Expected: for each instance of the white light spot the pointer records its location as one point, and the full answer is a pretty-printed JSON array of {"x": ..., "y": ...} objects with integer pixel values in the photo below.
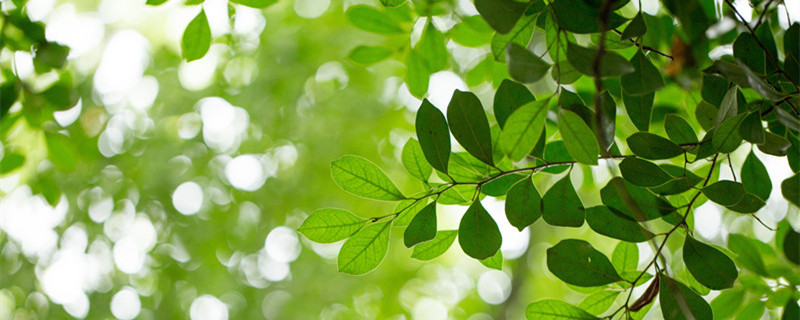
[
  {"x": 124, "y": 61},
  {"x": 188, "y": 198},
  {"x": 271, "y": 269},
  {"x": 128, "y": 255},
  {"x": 189, "y": 125},
  {"x": 144, "y": 93},
  {"x": 78, "y": 307},
  {"x": 311, "y": 8},
  {"x": 494, "y": 286},
  {"x": 208, "y": 307},
  {"x": 245, "y": 173},
  {"x": 199, "y": 74},
  {"x": 708, "y": 220},
  {"x": 282, "y": 244},
  {"x": 427, "y": 308},
  {"x": 100, "y": 210},
  {"x": 67, "y": 117},
  {"x": 126, "y": 304},
  {"x": 442, "y": 86}
]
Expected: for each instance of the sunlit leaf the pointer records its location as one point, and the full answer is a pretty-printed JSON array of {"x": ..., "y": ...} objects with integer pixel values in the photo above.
[
  {"x": 414, "y": 160},
  {"x": 363, "y": 178},
  {"x": 523, "y": 128},
  {"x": 330, "y": 225},
  {"x": 436, "y": 247},
  {"x": 196, "y": 38},
  {"x": 578, "y": 263},
  {"x": 365, "y": 250}
]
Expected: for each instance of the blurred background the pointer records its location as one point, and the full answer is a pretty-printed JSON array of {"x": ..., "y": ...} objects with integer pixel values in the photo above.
[{"x": 172, "y": 190}]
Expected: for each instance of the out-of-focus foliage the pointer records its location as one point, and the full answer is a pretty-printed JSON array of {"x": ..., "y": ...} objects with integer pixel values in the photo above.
[{"x": 159, "y": 160}]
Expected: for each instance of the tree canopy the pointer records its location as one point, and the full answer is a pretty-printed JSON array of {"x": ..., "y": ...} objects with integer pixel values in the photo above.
[{"x": 243, "y": 159}]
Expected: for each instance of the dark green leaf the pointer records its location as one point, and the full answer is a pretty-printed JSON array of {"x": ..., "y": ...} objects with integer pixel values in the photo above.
[
  {"x": 636, "y": 28},
  {"x": 643, "y": 173},
  {"x": 709, "y": 266},
  {"x": 791, "y": 245},
  {"x": 755, "y": 178},
  {"x": 363, "y": 178},
  {"x": 371, "y": 19},
  {"x": 523, "y": 204},
  {"x": 562, "y": 206},
  {"x": 499, "y": 187},
  {"x": 256, "y": 3},
  {"x": 625, "y": 256},
  {"x": 434, "y": 136},
  {"x": 469, "y": 125},
  {"x": 653, "y": 147},
  {"x": 556, "y": 310},
  {"x": 774, "y": 145},
  {"x": 615, "y": 225},
  {"x": 495, "y": 261},
  {"x": 365, "y": 250},
  {"x": 747, "y": 49},
  {"x": 392, "y": 3},
  {"x": 509, "y": 97},
  {"x": 556, "y": 152},
  {"x": 408, "y": 210},
  {"x": 11, "y": 161},
  {"x": 639, "y": 109},
  {"x": 679, "y": 130},
  {"x": 791, "y": 311},
  {"x": 751, "y": 129},
  {"x": 414, "y": 160},
  {"x": 749, "y": 204},
  {"x": 50, "y": 55},
  {"x": 684, "y": 180},
  {"x": 725, "y": 192},
  {"x": 502, "y": 15},
  {"x": 436, "y": 247},
  {"x": 706, "y": 115},
  {"x": 677, "y": 299},
  {"x": 635, "y": 202},
  {"x": 368, "y": 55},
  {"x": 478, "y": 233},
  {"x": 330, "y": 225},
  {"x": 523, "y": 65},
  {"x": 523, "y": 128},
  {"x": 579, "y": 17},
  {"x": 759, "y": 85},
  {"x": 726, "y": 137},
  {"x": 62, "y": 151},
  {"x": 196, "y": 38},
  {"x": 644, "y": 79},
  {"x": 576, "y": 262},
  {"x": 607, "y": 123},
  {"x": 578, "y": 138},
  {"x": 422, "y": 228},
  {"x": 612, "y": 64}
]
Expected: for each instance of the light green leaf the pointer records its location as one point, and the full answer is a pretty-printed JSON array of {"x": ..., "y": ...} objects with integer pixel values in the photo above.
[
  {"x": 555, "y": 310},
  {"x": 363, "y": 178},
  {"x": 523, "y": 204},
  {"x": 523, "y": 128},
  {"x": 521, "y": 35},
  {"x": 578, "y": 138},
  {"x": 422, "y": 228},
  {"x": 599, "y": 302},
  {"x": 709, "y": 266},
  {"x": 196, "y": 38},
  {"x": 371, "y": 19},
  {"x": 61, "y": 151},
  {"x": 747, "y": 254},
  {"x": 417, "y": 73},
  {"x": 436, "y": 247},
  {"x": 615, "y": 225},
  {"x": 434, "y": 136},
  {"x": 472, "y": 32},
  {"x": 431, "y": 47},
  {"x": 368, "y": 55},
  {"x": 414, "y": 160},
  {"x": 365, "y": 250},
  {"x": 729, "y": 106},
  {"x": 578, "y": 263},
  {"x": 726, "y": 303},
  {"x": 495, "y": 261},
  {"x": 410, "y": 209},
  {"x": 478, "y": 233},
  {"x": 330, "y": 225},
  {"x": 625, "y": 256},
  {"x": 11, "y": 161},
  {"x": 524, "y": 66},
  {"x": 562, "y": 206},
  {"x": 469, "y": 125},
  {"x": 258, "y": 4},
  {"x": 644, "y": 79},
  {"x": 643, "y": 173}
]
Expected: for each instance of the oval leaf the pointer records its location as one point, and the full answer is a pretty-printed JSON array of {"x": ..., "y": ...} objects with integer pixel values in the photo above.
[
  {"x": 524, "y": 66},
  {"x": 330, "y": 225},
  {"x": 196, "y": 38},
  {"x": 523, "y": 128},
  {"x": 675, "y": 298},
  {"x": 478, "y": 233},
  {"x": 578, "y": 263},
  {"x": 363, "y": 178},
  {"x": 653, "y": 147},
  {"x": 434, "y": 136},
  {"x": 562, "y": 206},
  {"x": 755, "y": 178},
  {"x": 709, "y": 266},
  {"x": 422, "y": 228},
  {"x": 643, "y": 173},
  {"x": 578, "y": 138},
  {"x": 414, "y": 160},
  {"x": 469, "y": 125},
  {"x": 556, "y": 310},
  {"x": 523, "y": 204},
  {"x": 615, "y": 225},
  {"x": 725, "y": 192},
  {"x": 436, "y": 247},
  {"x": 365, "y": 250}
]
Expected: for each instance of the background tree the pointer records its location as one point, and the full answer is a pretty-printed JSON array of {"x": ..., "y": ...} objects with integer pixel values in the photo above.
[{"x": 155, "y": 198}]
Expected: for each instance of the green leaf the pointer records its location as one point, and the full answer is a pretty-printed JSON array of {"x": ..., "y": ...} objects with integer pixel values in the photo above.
[
  {"x": 392, "y": 3},
  {"x": 636, "y": 28},
  {"x": 643, "y": 173},
  {"x": 499, "y": 187},
  {"x": 469, "y": 125},
  {"x": 635, "y": 202},
  {"x": 258, "y": 4},
  {"x": 684, "y": 180},
  {"x": 502, "y": 15},
  {"x": 724, "y": 192},
  {"x": 196, "y": 38},
  {"x": 523, "y": 128},
  {"x": 729, "y": 106},
  {"x": 644, "y": 79},
  {"x": 679, "y": 130},
  {"x": 417, "y": 73},
  {"x": 523, "y": 204},
  {"x": 755, "y": 178},
  {"x": 495, "y": 261},
  {"x": 368, "y": 55},
  {"x": 555, "y": 310},
  {"x": 11, "y": 161},
  {"x": 371, "y": 19},
  {"x": 791, "y": 310},
  {"x": 579, "y": 17},
  {"x": 524, "y": 66},
  {"x": 363, "y": 178},
  {"x": 154, "y": 2},
  {"x": 436, "y": 247},
  {"x": 410, "y": 209},
  {"x": 365, "y": 250},
  {"x": 751, "y": 129},
  {"x": 61, "y": 151},
  {"x": 726, "y": 303},
  {"x": 726, "y": 137},
  {"x": 747, "y": 49},
  {"x": 608, "y": 121},
  {"x": 752, "y": 311},
  {"x": 746, "y": 253},
  {"x": 330, "y": 225},
  {"x": 599, "y": 302},
  {"x": 709, "y": 266},
  {"x": 472, "y": 32},
  {"x": 521, "y": 35},
  {"x": 508, "y": 98},
  {"x": 790, "y": 188},
  {"x": 578, "y": 138},
  {"x": 749, "y": 204},
  {"x": 639, "y": 109},
  {"x": 562, "y": 206},
  {"x": 478, "y": 233},
  {"x": 576, "y": 262},
  {"x": 791, "y": 246},
  {"x": 414, "y": 160},
  {"x": 556, "y": 152},
  {"x": 431, "y": 47},
  {"x": 611, "y": 64},
  {"x": 675, "y": 298},
  {"x": 625, "y": 257},
  {"x": 422, "y": 228},
  {"x": 615, "y": 225},
  {"x": 653, "y": 147},
  {"x": 774, "y": 145},
  {"x": 434, "y": 136},
  {"x": 706, "y": 115}
]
